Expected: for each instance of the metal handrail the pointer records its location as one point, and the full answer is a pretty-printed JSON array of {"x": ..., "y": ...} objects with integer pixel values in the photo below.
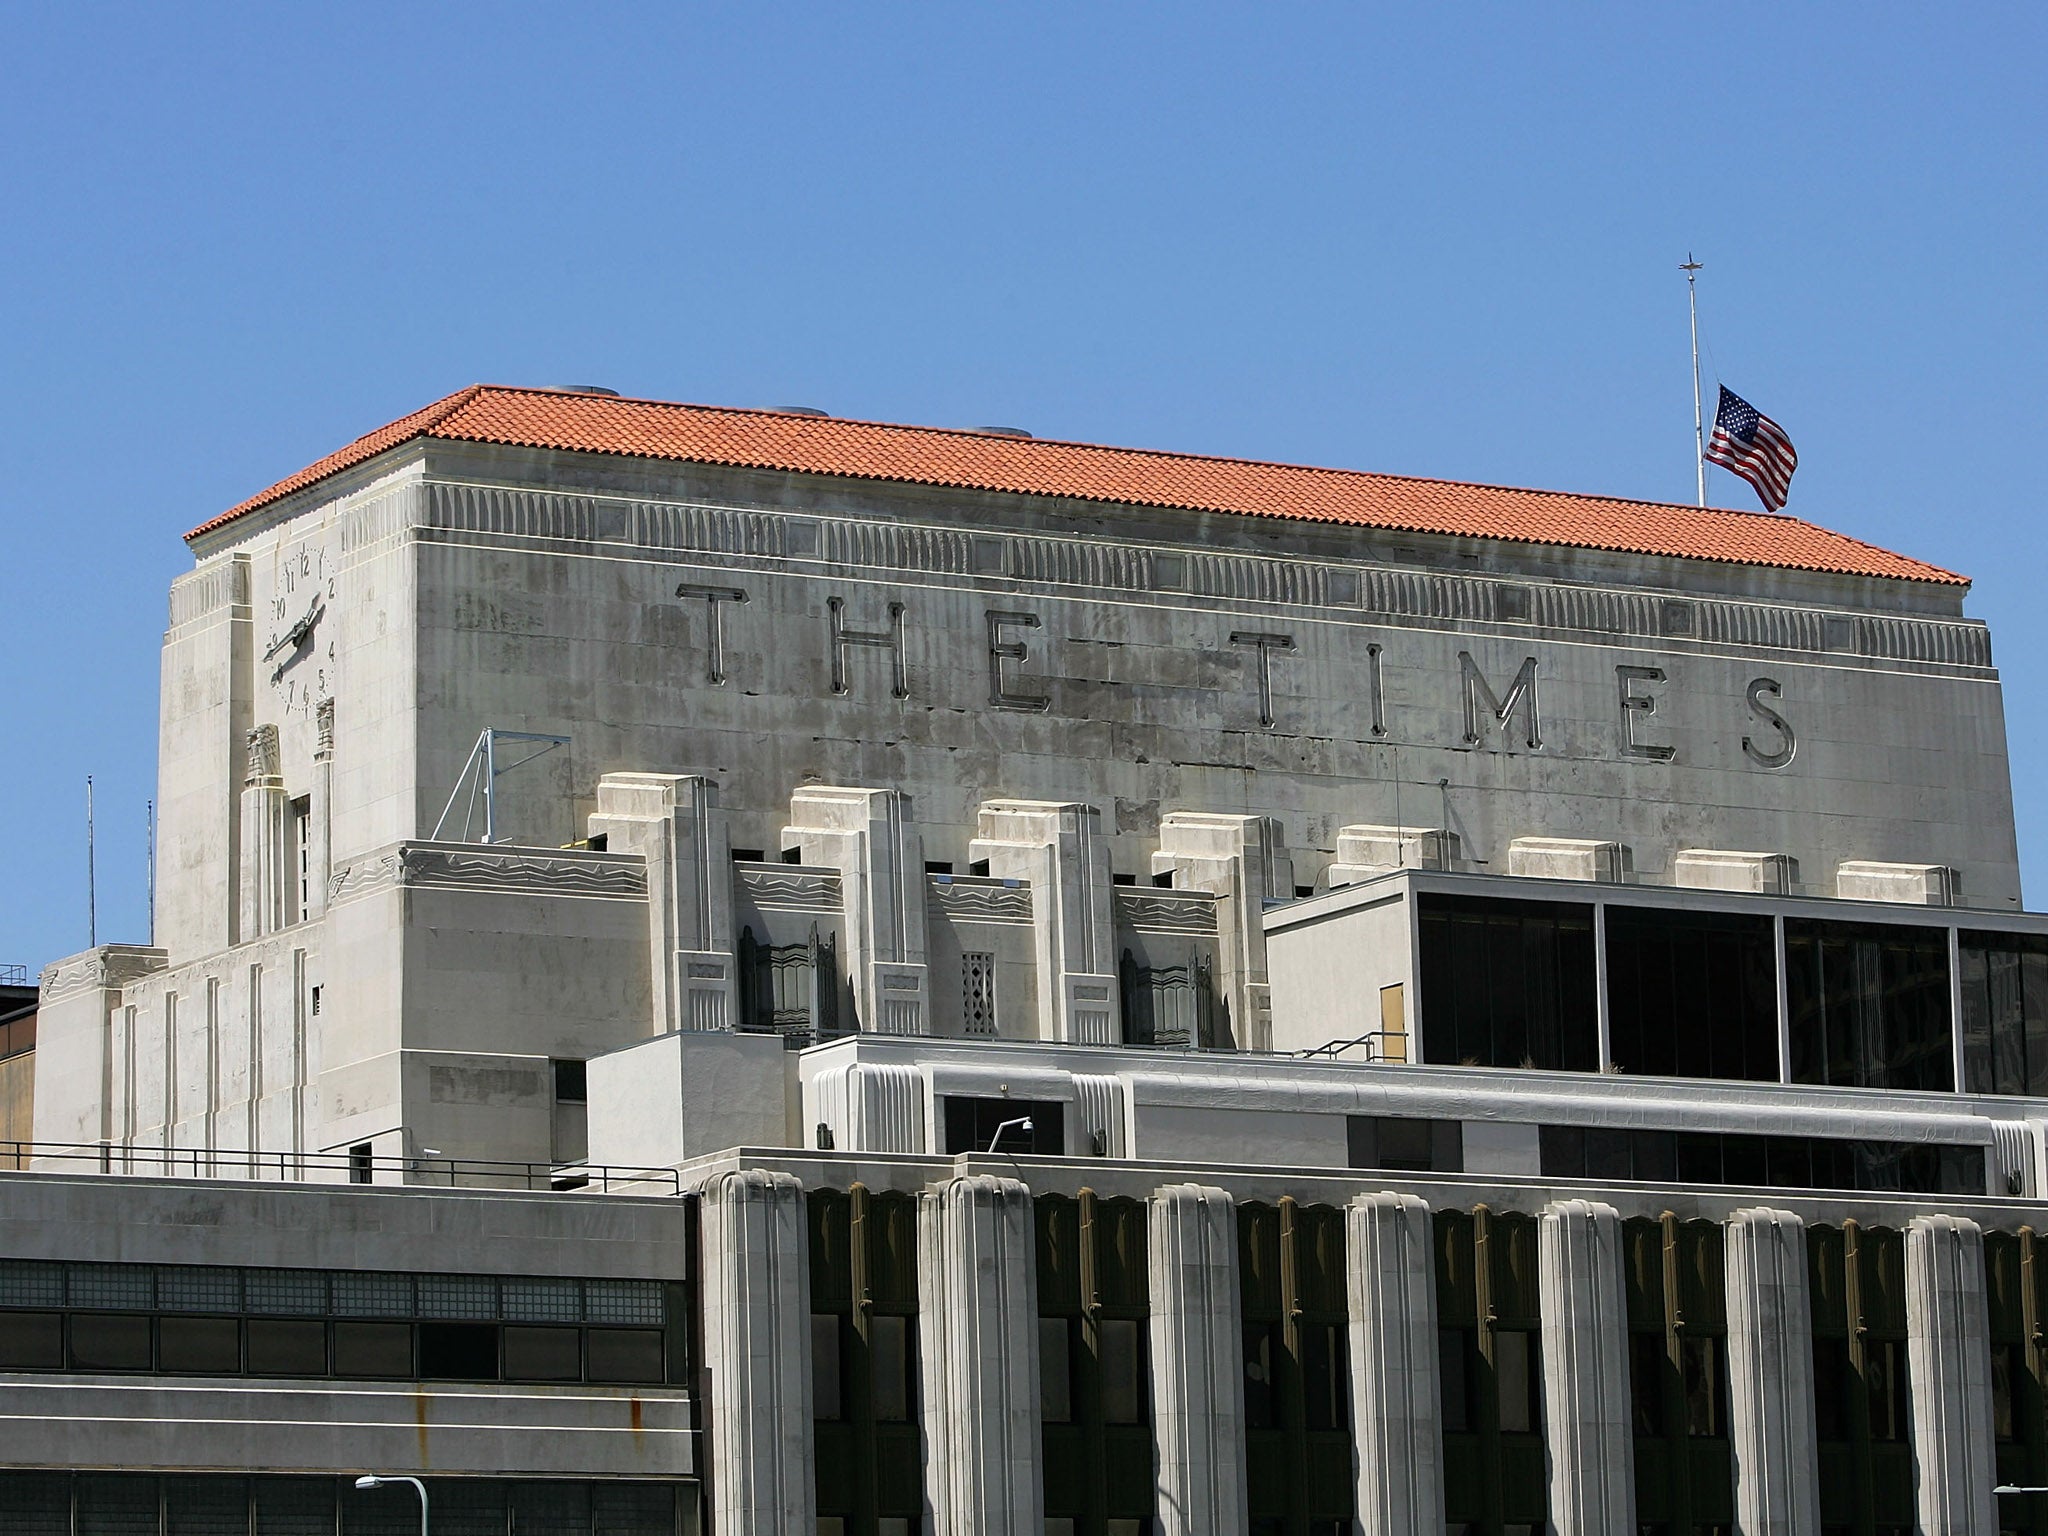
[
  {"x": 332, "y": 1167},
  {"x": 13, "y": 975},
  {"x": 1373, "y": 1040}
]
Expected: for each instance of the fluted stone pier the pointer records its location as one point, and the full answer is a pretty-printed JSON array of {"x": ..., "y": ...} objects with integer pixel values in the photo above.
[
  {"x": 1197, "y": 1361},
  {"x": 1586, "y": 1424},
  {"x": 1394, "y": 1388}
]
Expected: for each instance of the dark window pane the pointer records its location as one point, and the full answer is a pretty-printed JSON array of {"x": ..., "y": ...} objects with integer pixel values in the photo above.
[
  {"x": 287, "y": 1346},
  {"x": 1122, "y": 1360},
  {"x": 36, "y": 1503},
  {"x": 1647, "y": 1364},
  {"x": 116, "y": 1504},
  {"x": 1508, "y": 982},
  {"x": 1404, "y": 1145},
  {"x": 1692, "y": 994},
  {"x": 972, "y": 1125},
  {"x": 1704, "y": 1412},
  {"x": 551, "y": 1509},
  {"x": 2005, "y": 1370},
  {"x": 633, "y": 1509},
  {"x": 1831, "y": 1389},
  {"x": 543, "y": 1354},
  {"x": 1261, "y": 1350},
  {"x": 31, "y": 1341},
  {"x": 1514, "y": 1374},
  {"x": 1055, "y": 1370},
  {"x": 459, "y": 1351},
  {"x": 202, "y": 1345},
  {"x": 1453, "y": 1353},
  {"x": 1325, "y": 1390},
  {"x": 373, "y": 1349},
  {"x": 827, "y": 1360},
  {"x": 295, "y": 1506},
  {"x": 109, "y": 1341},
  {"x": 1869, "y": 1004},
  {"x": 206, "y": 1506},
  {"x": 1561, "y": 1151},
  {"x": 890, "y": 1363},
  {"x": 624, "y": 1354}
]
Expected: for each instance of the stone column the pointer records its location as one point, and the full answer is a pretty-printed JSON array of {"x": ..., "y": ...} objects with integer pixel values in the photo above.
[
  {"x": 1058, "y": 849},
  {"x": 1948, "y": 1356},
  {"x": 674, "y": 822},
  {"x": 320, "y": 821},
  {"x": 978, "y": 1309},
  {"x": 1586, "y": 1425},
  {"x": 1197, "y": 1360},
  {"x": 1770, "y": 1376},
  {"x": 867, "y": 835},
  {"x": 1394, "y": 1389},
  {"x": 266, "y": 837},
  {"x": 757, "y": 1354},
  {"x": 1244, "y": 860}
]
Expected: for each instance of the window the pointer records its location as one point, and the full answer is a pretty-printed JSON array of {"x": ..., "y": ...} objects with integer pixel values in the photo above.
[
  {"x": 210, "y": 1346},
  {"x": 571, "y": 1130},
  {"x": 294, "y": 1346},
  {"x": 373, "y": 1349},
  {"x": 978, "y": 993},
  {"x": 543, "y": 1353},
  {"x": 1692, "y": 994},
  {"x": 1764, "y": 1162},
  {"x": 1298, "y": 1450},
  {"x": 1508, "y": 983},
  {"x": 1056, "y": 1370},
  {"x": 109, "y": 1341},
  {"x": 973, "y": 1124},
  {"x": 1405, "y": 1144},
  {"x": 1869, "y": 1005},
  {"x": 2005, "y": 1012},
  {"x": 31, "y": 1341},
  {"x": 1677, "y": 1314},
  {"x": 889, "y": 1358},
  {"x": 302, "y": 855},
  {"x": 1857, "y": 1286},
  {"x": 828, "y": 1366},
  {"x": 1488, "y": 1347},
  {"x": 624, "y": 1354}
]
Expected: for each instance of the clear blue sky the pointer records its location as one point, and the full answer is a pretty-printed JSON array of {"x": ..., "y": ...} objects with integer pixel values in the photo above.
[{"x": 1429, "y": 240}]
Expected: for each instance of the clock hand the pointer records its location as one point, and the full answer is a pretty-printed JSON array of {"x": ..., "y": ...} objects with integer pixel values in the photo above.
[{"x": 290, "y": 639}]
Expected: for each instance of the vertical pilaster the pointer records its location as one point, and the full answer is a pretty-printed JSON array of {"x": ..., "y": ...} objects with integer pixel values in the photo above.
[
  {"x": 1770, "y": 1375},
  {"x": 1244, "y": 860},
  {"x": 1586, "y": 1424},
  {"x": 1394, "y": 1389},
  {"x": 757, "y": 1342},
  {"x": 266, "y": 836},
  {"x": 1197, "y": 1360},
  {"x": 1948, "y": 1357},
  {"x": 867, "y": 835},
  {"x": 1058, "y": 849},
  {"x": 675, "y": 823},
  {"x": 978, "y": 1303},
  {"x": 320, "y": 823}
]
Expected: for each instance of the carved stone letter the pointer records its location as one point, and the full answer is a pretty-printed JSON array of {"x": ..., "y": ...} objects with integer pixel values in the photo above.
[
  {"x": 714, "y": 625},
  {"x": 1522, "y": 693},
  {"x": 1758, "y": 688},
  {"x": 890, "y": 640},
  {"x": 1266, "y": 645},
  {"x": 1000, "y": 651},
  {"x": 1634, "y": 704}
]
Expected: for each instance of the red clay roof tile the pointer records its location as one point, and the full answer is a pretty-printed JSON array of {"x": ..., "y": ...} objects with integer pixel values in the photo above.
[{"x": 866, "y": 450}]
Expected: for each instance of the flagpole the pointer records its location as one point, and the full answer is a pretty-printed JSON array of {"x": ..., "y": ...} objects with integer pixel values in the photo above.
[{"x": 1691, "y": 269}]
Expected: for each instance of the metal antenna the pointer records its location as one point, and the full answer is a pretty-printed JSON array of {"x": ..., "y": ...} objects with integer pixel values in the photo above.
[
  {"x": 151, "y": 813},
  {"x": 92, "y": 910},
  {"x": 1691, "y": 269}
]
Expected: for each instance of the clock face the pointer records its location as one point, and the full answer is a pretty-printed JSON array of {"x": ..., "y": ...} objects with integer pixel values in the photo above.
[{"x": 299, "y": 651}]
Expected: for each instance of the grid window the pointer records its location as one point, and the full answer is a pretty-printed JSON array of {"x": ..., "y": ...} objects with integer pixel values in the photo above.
[
  {"x": 28, "y": 1283},
  {"x": 623, "y": 1301},
  {"x": 197, "y": 1288},
  {"x": 459, "y": 1296},
  {"x": 543, "y": 1300},
  {"x": 125, "y": 1287},
  {"x": 370, "y": 1294},
  {"x": 287, "y": 1292}
]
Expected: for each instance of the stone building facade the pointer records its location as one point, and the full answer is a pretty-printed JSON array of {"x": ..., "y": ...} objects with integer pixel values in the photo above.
[{"x": 952, "y": 982}]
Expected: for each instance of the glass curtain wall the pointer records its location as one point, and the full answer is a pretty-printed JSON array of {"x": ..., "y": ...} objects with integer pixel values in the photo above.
[
  {"x": 2016, "y": 1276},
  {"x": 1692, "y": 994},
  {"x": 1508, "y": 983},
  {"x": 2005, "y": 1012},
  {"x": 1869, "y": 1005}
]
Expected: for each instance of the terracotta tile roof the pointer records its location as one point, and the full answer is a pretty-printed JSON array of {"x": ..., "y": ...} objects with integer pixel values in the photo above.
[{"x": 866, "y": 450}]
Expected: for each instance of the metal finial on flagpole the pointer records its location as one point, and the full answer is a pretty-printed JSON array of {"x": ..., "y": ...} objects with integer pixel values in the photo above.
[{"x": 1691, "y": 269}]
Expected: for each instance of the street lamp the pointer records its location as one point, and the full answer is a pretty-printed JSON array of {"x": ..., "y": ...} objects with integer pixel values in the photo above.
[
  {"x": 1023, "y": 1124},
  {"x": 418, "y": 1487}
]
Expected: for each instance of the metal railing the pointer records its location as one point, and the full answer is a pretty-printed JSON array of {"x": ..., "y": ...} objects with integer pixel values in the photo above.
[
  {"x": 13, "y": 975},
  {"x": 1376, "y": 1043},
  {"x": 333, "y": 1168}
]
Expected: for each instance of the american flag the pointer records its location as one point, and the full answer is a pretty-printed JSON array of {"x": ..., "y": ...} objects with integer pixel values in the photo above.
[{"x": 1754, "y": 446}]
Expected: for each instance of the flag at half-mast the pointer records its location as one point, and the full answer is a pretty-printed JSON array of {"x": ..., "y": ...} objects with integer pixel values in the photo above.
[{"x": 1754, "y": 446}]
